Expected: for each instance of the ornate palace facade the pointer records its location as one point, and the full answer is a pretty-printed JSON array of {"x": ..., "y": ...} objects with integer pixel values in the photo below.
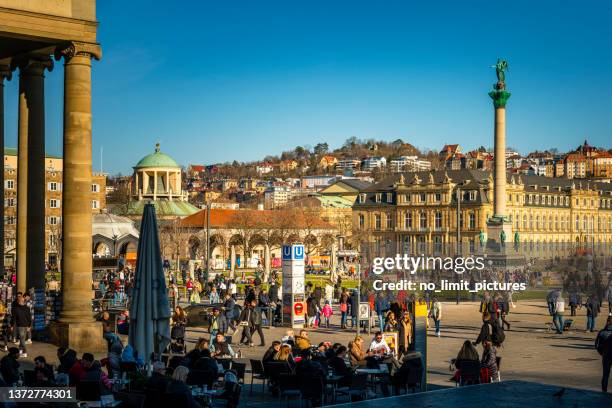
[{"x": 417, "y": 212}]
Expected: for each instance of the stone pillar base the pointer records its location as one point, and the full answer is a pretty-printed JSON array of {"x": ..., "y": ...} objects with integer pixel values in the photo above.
[
  {"x": 82, "y": 337},
  {"x": 495, "y": 226}
]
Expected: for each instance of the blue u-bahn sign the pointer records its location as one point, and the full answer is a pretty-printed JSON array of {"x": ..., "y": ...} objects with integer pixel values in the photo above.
[{"x": 293, "y": 252}]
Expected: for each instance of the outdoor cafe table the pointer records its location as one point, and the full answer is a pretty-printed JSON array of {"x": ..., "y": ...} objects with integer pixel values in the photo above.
[
  {"x": 205, "y": 394},
  {"x": 374, "y": 372}
]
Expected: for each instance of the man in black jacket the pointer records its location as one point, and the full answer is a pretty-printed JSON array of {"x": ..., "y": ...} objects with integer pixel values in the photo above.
[
  {"x": 257, "y": 321},
  {"x": 22, "y": 320}
]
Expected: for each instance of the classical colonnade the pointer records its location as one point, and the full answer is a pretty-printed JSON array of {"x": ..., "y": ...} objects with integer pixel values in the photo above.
[{"x": 77, "y": 175}]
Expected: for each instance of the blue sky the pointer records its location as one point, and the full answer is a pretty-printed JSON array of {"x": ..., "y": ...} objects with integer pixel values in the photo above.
[{"x": 216, "y": 81}]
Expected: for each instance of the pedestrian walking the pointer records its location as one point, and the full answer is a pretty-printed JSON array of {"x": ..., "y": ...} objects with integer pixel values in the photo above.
[
  {"x": 558, "y": 311},
  {"x": 381, "y": 306},
  {"x": 436, "y": 314},
  {"x": 593, "y": 309},
  {"x": 22, "y": 321}
]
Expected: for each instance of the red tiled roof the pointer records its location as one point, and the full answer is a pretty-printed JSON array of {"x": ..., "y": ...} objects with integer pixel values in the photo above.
[{"x": 227, "y": 218}]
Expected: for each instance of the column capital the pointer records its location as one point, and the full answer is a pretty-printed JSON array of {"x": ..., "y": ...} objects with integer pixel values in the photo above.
[
  {"x": 32, "y": 65},
  {"x": 73, "y": 49}
]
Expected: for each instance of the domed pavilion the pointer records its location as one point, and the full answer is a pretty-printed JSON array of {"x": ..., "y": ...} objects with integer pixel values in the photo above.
[{"x": 157, "y": 180}]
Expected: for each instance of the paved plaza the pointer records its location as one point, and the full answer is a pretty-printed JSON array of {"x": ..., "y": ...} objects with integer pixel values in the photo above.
[{"x": 530, "y": 352}]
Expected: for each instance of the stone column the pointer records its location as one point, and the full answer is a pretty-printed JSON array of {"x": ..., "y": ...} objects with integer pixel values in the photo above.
[
  {"x": 31, "y": 135},
  {"x": 499, "y": 174},
  {"x": 31, "y": 172},
  {"x": 266, "y": 262},
  {"x": 499, "y": 223},
  {"x": 5, "y": 73},
  {"x": 76, "y": 327},
  {"x": 154, "y": 185},
  {"x": 232, "y": 261}
]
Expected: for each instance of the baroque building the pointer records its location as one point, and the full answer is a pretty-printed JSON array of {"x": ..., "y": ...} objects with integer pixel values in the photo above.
[{"x": 417, "y": 212}]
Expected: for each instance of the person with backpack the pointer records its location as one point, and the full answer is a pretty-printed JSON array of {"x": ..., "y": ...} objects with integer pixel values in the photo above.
[
  {"x": 603, "y": 344},
  {"x": 592, "y": 307},
  {"x": 558, "y": 311},
  {"x": 490, "y": 331}
]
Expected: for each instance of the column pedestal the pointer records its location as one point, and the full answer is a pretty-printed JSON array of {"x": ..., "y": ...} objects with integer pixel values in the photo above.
[{"x": 82, "y": 337}]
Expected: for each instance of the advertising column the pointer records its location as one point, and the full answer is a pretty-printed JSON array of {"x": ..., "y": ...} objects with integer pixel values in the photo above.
[{"x": 294, "y": 303}]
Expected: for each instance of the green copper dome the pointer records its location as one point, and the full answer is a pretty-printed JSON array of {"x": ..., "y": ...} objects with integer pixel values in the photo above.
[{"x": 156, "y": 159}]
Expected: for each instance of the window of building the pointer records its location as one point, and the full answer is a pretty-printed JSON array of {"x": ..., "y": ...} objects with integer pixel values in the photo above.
[
  {"x": 54, "y": 203},
  {"x": 555, "y": 200},
  {"x": 10, "y": 184},
  {"x": 378, "y": 197},
  {"x": 537, "y": 199},
  {"x": 408, "y": 220},
  {"x": 472, "y": 220},
  {"x": 472, "y": 196},
  {"x": 53, "y": 220},
  {"x": 10, "y": 202},
  {"x": 53, "y": 186},
  {"x": 377, "y": 222},
  {"x": 10, "y": 220},
  {"x": 423, "y": 220},
  {"x": 438, "y": 220},
  {"x": 530, "y": 198},
  {"x": 389, "y": 197},
  {"x": 95, "y": 204},
  {"x": 524, "y": 221},
  {"x": 407, "y": 198},
  {"x": 438, "y": 197},
  {"x": 389, "y": 218},
  {"x": 361, "y": 221},
  {"x": 437, "y": 247},
  {"x": 422, "y": 197},
  {"x": 362, "y": 198},
  {"x": 577, "y": 223},
  {"x": 95, "y": 188}
]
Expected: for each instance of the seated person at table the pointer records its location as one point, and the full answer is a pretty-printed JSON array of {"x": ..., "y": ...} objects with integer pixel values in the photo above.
[
  {"x": 321, "y": 352},
  {"x": 221, "y": 349},
  {"x": 206, "y": 363},
  {"x": 158, "y": 380},
  {"x": 289, "y": 338},
  {"x": 357, "y": 355},
  {"x": 302, "y": 342},
  {"x": 307, "y": 370},
  {"x": 337, "y": 362},
  {"x": 40, "y": 363},
  {"x": 87, "y": 369},
  {"x": 284, "y": 354},
  {"x": 271, "y": 352},
  {"x": 43, "y": 377},
  {"x": 177, "y": 385},
  {"x": 467, "y": 353},
  {"x": 67, "y": 358},
  {"x": 379, "y": 346},
  {"x": 196, "y": 353}
]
